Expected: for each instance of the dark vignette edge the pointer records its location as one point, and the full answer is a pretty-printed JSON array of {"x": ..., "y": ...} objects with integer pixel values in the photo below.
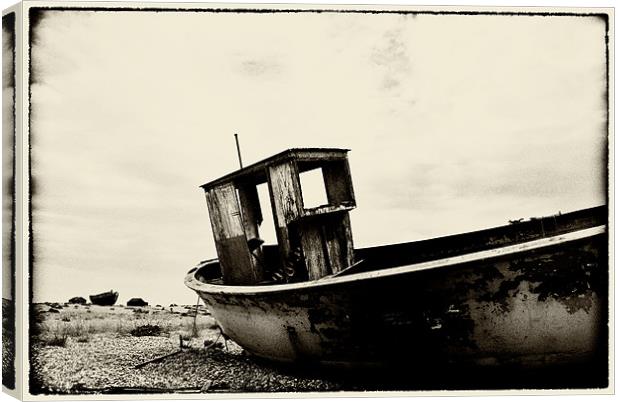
[
  {"x": 34, "y": 387},
  {"x": 10, "y": 21},
  {"x": 35, "y": 16},
  {"x": 607, "y": 160}
]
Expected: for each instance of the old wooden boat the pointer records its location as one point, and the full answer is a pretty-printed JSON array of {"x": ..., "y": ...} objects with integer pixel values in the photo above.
[
  {"x": 532, "y": 293},
  {"x": 104, "y": 299}
]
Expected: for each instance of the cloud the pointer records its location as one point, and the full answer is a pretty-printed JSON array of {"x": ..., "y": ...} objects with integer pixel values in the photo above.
[
  {"x": 259, "y": 67},
  {"x": 391, "y": 56}
]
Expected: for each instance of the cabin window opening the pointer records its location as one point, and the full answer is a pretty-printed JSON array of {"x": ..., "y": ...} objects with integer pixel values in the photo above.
[
  {"x": 267, "y": 228},
  {"x": 313, "y": 188}
]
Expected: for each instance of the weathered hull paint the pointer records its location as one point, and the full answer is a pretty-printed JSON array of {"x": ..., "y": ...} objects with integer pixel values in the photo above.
[{"x": 535, "y": 304}]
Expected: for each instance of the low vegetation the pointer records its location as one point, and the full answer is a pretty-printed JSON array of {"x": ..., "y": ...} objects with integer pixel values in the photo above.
[{"x": 80, "y": 323}]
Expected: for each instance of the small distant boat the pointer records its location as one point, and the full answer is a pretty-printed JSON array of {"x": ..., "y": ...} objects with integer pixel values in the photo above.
[
  {"x": 104, "y": 299},
  {"x": 532, "y": 293}
]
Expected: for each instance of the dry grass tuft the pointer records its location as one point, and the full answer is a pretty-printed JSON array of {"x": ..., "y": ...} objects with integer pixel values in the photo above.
[
  {"x": 57, "y": 340},
  {"x": 83, "y": 338}
]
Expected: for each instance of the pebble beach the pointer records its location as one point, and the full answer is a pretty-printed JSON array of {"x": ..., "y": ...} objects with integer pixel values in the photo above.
[{"x": 91, "y": 349}]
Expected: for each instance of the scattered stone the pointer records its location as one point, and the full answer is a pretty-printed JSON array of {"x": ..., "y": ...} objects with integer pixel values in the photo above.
[
  {"x": 146, "y": 330},
  {"x": 77, "y": 300},
  {"x": 137, "y": 302},
  {"x": 211, "y": 344}
]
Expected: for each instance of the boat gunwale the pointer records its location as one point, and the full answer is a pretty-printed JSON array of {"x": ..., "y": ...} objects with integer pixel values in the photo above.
[{"x": 199, "y": 286}]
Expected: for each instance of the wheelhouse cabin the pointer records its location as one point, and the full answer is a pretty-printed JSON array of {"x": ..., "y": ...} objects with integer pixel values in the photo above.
[{"x": 313, "y": 242}]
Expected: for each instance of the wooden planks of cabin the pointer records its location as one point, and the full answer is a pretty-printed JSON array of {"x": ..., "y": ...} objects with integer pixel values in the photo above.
[
  {"x": 325, "y": 239},
  {"x": 321, "y": 235},
  {"x": 230, "y": 239},
  {"x": 327, "y": 244},
  {"x": 286, "y": 203},
  {"x": 338, "y": 185}
]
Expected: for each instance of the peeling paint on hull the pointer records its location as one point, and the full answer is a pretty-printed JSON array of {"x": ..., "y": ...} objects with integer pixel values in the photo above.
[{"x": 528, "y": 307}]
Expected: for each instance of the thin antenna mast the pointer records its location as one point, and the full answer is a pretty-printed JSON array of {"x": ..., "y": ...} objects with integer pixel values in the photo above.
[{"x": 238, "y": 150}]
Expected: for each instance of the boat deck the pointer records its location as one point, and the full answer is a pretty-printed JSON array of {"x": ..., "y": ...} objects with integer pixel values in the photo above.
[{"x": 454, "y": 248}]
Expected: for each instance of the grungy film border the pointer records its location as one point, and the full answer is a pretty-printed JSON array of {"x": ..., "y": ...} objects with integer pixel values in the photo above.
[
  {"x": 35, "y": 13},
  {"x": 8, "y": 233}
]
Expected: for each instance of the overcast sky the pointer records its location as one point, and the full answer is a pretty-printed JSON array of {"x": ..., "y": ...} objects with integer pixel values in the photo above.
[{"x": 455, "y": 123}]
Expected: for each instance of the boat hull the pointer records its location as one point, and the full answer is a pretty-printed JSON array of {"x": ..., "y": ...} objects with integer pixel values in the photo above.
[
  {"x": 104, "y": 299},
  {"x": 527, "y": 307}
]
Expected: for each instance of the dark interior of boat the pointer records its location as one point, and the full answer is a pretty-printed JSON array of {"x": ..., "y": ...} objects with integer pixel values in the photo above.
[{"x": 395, "y": 255}]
